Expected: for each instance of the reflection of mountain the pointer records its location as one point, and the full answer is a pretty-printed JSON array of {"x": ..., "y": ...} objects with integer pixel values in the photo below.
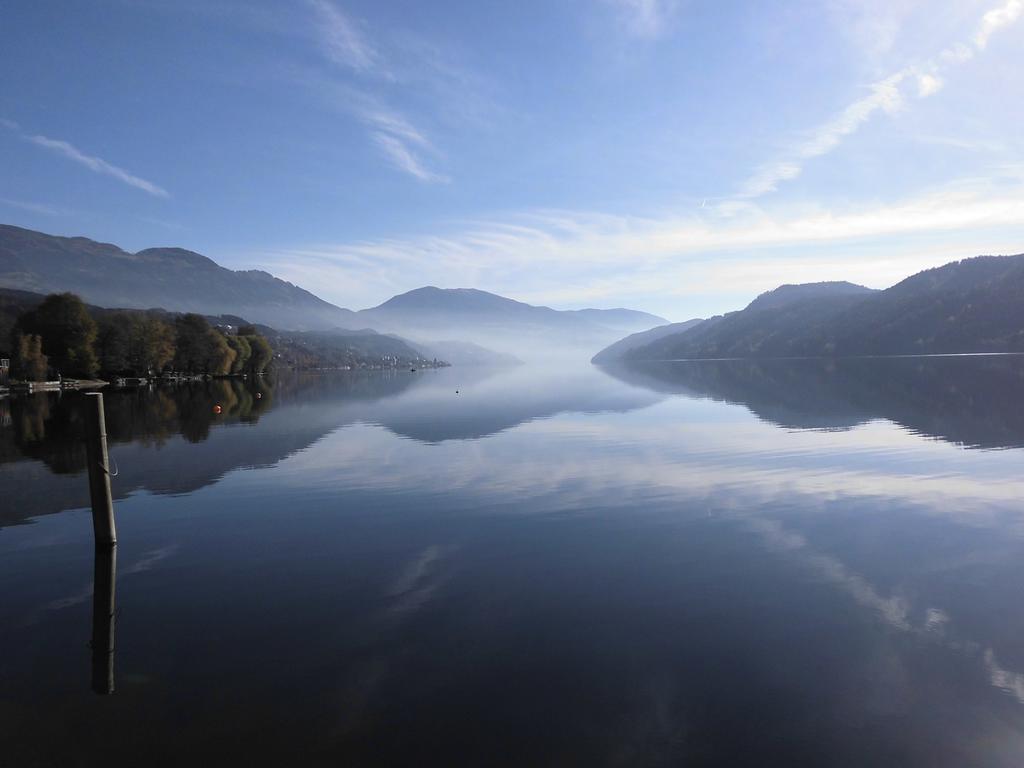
[
  {"x": 490, "y": 401},
  {"x": 972, "y": 401},
  {"x": 171, "y": 441}
]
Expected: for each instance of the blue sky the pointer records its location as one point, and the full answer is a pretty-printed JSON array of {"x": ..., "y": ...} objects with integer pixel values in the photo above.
[{"x": 671, "y": 155}]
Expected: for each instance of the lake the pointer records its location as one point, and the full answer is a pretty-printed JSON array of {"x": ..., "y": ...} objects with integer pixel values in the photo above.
[{"x": 702, "y": 563}]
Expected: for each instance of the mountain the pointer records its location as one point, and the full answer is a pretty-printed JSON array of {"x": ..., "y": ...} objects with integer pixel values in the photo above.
[
  {"x": 785, "y": 322},
  {"x": 973, "y": 305},
  {"x": 178, "y": 280},
  {"x": 514, "y": 327},
  {"x": 620, "y": 348},
  {"x": 786, "y": 295},
  {"x": 171, "y": 278}
]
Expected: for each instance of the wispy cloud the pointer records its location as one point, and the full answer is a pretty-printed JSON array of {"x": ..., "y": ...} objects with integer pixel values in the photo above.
[
  {"x": 40, "y": 208},
  {"x": 96, "y": 164},
  {"x": 395, "y": 136},
  {"x": 995, "y": 20},
  {"x": 402, "y": 158},
  {"x": 885, "y": 95},
  {"x": 570, "y": 257},
  {"x": 341, "y": 40},
  {"x": 873, "y": 26},
  {"x": 646, "y": 18}
]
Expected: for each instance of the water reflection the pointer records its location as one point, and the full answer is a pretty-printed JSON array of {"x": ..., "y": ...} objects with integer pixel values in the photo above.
[
  {"x": 186, "y": 444},
  {"x": 970, "y": 400},
  {"x": 627, "y": 576},
  {"x": 103, "y": 629}
]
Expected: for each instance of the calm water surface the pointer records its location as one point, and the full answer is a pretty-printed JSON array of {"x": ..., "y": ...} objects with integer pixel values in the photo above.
[{"x": 733, "y": 563}]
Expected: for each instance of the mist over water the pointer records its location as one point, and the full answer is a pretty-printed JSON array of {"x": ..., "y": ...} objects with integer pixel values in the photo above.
[{"x": 707, "y": 563}]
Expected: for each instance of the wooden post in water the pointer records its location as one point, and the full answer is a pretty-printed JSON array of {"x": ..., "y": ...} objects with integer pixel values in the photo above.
[
  {"x": 99, "y": 471},
  {"x": 103, "y": 629}
]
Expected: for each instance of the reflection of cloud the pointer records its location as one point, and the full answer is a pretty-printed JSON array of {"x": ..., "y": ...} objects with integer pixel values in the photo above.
[
  {"x": 415, "y": 584},
  {"x": 893, "y": 610},
  {"x": 1011, "y": 682},
  {"x": 741, "y": 467},
  {"x": 147, "y": 562}
]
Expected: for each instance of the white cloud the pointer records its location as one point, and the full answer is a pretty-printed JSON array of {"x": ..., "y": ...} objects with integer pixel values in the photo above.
[
  {"x": 393, "y": 134},
  {"x": 341, "y": 40},
  {"x": 996, "y": 19},
  {"x": 885, "y": 96},
  {"x": 403, "y": 158},
  {"x": 572, "y": 257},
  {"x": 928, "y": 84},
  {"x": 873, "y": 26},
  {"x": 40, "y": 208},
  {"x": 97, "y": 165},
  {"x": 646, "y": 18}
]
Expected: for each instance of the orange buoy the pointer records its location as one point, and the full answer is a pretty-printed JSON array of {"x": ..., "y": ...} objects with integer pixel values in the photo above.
[{"x": 217, "y": 408}]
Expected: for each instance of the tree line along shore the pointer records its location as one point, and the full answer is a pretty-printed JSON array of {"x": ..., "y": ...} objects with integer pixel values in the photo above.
[{"x": 60, "y": 338}]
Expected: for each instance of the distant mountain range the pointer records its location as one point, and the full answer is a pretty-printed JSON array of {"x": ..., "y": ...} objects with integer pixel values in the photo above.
[
  {"x": 182, "y": 281},
  {"x": 487, "y": 319},
  {"x": 974, "y": 305}
]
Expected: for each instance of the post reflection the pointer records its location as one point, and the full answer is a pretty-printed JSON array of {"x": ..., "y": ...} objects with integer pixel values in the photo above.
[{"x": 103, "y": 585}]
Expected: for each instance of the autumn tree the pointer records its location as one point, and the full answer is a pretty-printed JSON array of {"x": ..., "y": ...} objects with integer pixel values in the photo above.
[
  {"x": 199, "y": 347},
  {"x": 152, "y": 344},
  {"x": 68, "y": 333},
  {"x": 262, "y": 352},
  {"x": 113, "y": 342},
  {"x": 243, "y": 351},
  {"x": 30, "y": 364}
]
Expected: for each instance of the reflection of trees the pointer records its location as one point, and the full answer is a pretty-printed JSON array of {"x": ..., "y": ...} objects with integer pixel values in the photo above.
[{"x": 48, "y": 426}]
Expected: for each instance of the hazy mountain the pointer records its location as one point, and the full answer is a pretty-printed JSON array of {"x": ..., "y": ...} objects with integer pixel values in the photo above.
[
  {"x": 170, "y": 278},
  {"x": 466, "y": 353},
  {"x": 974, "y": 305},
  {"x": 493, "y": 321},
  {"x": 182, "y": 281},
  {"x": 622, "y": 319},
  {"x": 619, "y": 349},
  {"x": 339, "y": 349}
]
